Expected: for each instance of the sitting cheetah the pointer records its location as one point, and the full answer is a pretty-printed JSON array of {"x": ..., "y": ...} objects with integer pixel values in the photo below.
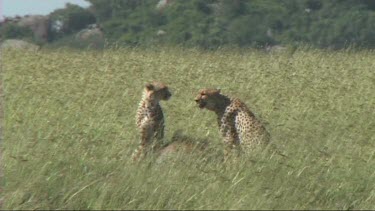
[
  {"x": 149, "y": 117},
  {"x": 239, "y": 127}
]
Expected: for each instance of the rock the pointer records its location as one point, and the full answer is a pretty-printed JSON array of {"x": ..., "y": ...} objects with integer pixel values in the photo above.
[
  {"x": 39, "y": 24},
  {"x": 91, "y": 35},
  {"x": 160, "y": 32},
  {"x": 87, "y": 34},
  {"x": 275, "y": 49},
  {"x": 162, "y": 4},
  {"x": 18, "y": 44}
]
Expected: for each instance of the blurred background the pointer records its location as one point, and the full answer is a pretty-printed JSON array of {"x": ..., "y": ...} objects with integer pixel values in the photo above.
[{"x": 207, "y": 24}]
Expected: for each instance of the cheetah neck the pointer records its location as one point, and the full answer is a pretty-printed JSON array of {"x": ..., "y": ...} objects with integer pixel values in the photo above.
[
  {"x": 222, "y": 103},
  {"x": 148, "y": 102}
]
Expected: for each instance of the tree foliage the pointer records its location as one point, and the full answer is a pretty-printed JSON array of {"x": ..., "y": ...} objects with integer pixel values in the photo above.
[
  {"x": 13, "y": 31},
  {"x": 214, "y": 23},
  {"x": 254, "y": 23},
  {"x": 70, "y": 19}
]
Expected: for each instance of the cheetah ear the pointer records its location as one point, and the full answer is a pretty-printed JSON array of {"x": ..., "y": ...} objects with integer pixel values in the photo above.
[
  {"x": 149, "y": 86},
  {"x": 218, "y": 90}
]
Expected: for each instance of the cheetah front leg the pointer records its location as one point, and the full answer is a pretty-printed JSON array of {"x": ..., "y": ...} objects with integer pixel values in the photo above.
[
  {"x": 230, "y": 141},
  {"x": 230, "y": 135},
  {"x": 159, "y": 135},
  {"x": 146, "y": 136},
  {"x": 228, "y": 147},
  {"x": 231, "y": 146}
]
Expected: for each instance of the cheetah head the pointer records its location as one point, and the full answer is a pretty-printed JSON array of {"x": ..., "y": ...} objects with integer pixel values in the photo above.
[
  {"x": 157, "y": 91},
  {"x": 208, "y": 98}
]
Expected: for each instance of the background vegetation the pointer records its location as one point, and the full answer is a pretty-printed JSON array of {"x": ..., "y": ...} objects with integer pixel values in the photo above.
[
  {"x": 69, "y": 125},
  {"x": 69, "y": 130},
  {"x": 211, "y": 24}
]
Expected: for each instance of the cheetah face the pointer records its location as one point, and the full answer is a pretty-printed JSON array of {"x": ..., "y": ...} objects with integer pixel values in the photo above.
[
  {"x": 158, "y": 91},
  {"x": 207, "y": 98}
]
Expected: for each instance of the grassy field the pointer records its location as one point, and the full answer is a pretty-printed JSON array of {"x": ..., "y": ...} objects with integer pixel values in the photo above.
[{"x": 70, "y": 129}]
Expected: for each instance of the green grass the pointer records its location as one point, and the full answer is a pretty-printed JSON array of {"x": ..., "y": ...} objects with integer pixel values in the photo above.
[{"x": 70, "y": 130}]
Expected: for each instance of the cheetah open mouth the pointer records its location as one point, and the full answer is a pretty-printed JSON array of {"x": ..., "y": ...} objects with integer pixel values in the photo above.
[
  {"x": 201, "y": 104},
  {"x": 167, "y": 96}
]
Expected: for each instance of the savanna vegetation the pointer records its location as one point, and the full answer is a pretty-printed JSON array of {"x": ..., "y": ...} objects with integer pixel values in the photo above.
[
  {"x": 69, "y": 130},
  {"x": 210, "y": 24}
]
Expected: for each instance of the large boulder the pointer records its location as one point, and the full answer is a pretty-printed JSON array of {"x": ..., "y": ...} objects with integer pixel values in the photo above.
[
  {"x": 276, "y": 49},
  {"x": 18, "y": 44},
  {"x": 88, "y": 34},
  {"x": 162, "y": 4},
  {"x": 39, "y": 24},
  {"x": 92, "y": 35}
]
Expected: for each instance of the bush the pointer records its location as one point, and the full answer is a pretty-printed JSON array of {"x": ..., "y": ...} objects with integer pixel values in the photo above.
[
  {"x": 12, "y": 31},
  {"x": 70, "y": 19}
]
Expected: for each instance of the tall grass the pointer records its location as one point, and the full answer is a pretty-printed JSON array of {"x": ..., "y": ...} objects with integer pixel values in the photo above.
[{"x": 70, "y": 130}]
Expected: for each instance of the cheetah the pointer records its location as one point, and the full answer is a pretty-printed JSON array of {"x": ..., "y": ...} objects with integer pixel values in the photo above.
[
  {"x": 181, "y": 143},
  {"x": 239, "y": 127},
  {"x": 150, "y": 118}
]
